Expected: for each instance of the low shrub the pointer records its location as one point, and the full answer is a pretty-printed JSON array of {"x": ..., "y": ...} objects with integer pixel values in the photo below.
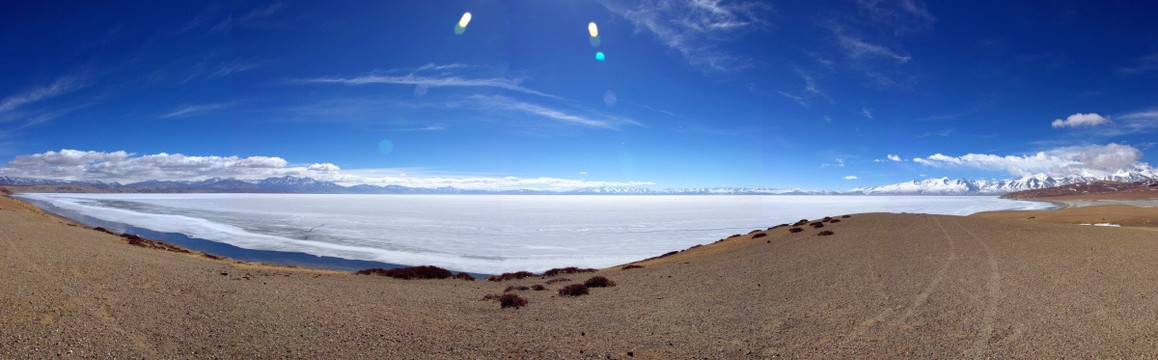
[
  {"x": 153, "y": 244},
  {"x": 826, "y": 219},
  {"x": 510, "y": 276},
  {"x": 734, "y": 235},
  {"x": 846, "y": 216},
  {"x": 825, "y": 233},
  {"x": 464, "y": 276},
  {"x": 101, "y": 229},
  {"x": 759, "y": 235},
  {"x": 573, "y": 290},
  {"x": 552, "y": 281},
  {"x": 410, "y": 273},
  {"x": 631, "y": 266},
  {"x": 598, "y": 281},
  {"x": 513, "y": 288},
  {"x": 795, "y": 230},
  {"x": 778, "y": 226},
  {"x": 754, "y": 231},
  {"x": 567, "y": 270},
  {"x": 817, "y": 224},
  {"x": 538, "y": 287},
  {"x": 801, "y": 222},
  {"x": 512, "y": 300},
  {"x": 834, "y": 221},
  {"x": 489, "y": 297}
]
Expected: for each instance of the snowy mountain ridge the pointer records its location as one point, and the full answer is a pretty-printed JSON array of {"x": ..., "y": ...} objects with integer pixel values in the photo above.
[{"x": 289, "y": 184}]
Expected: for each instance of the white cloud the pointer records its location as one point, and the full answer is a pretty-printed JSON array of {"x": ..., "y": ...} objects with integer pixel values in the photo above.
[
  {"x": 190, "y": 110},
  {"x": 59, "y": 87},
  {"x": 1080, "y": 119},
  {"x": 894, "y": 158},
  {"x": 850, "y": 177},
  {"x": 1142, "y": 64},
  {"x": 1138, "y": 122},
  {"x": 868, "y": 113},
  {"x": 593, "y": 120},
  {"x": 696, "y": 28},
  {"x": 1093, "y": 160},
  {"x": 430, "y": 76},
  {"x": 838, "y": 162},
  {"x": 124, "y": 167},
  {"x": 858, "y": 48},
  {"x": 325, "y": 168}
]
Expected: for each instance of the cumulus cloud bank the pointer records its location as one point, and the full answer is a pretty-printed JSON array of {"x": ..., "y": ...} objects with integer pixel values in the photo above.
[
  {"x": 1093, "y": 160},
  {"x": 1080, "y": 119},
  {"x": 125, "y": 167}
]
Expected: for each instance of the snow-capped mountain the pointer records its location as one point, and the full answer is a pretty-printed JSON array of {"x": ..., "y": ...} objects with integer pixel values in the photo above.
[{"x": 946, "y": 186}]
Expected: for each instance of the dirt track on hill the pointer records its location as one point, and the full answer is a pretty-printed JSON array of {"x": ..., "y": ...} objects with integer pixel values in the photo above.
[{"x": 883, "y": 286}]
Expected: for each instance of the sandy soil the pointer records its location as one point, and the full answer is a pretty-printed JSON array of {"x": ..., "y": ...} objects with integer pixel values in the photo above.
[{"x": 883, "y": 286}]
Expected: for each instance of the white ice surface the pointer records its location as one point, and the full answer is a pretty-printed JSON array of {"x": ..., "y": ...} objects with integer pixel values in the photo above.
[{"x": 486, "y": 233}]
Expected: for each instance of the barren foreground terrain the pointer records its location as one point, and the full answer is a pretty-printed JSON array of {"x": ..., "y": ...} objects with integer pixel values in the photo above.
[{"x": 882, "y": 286}]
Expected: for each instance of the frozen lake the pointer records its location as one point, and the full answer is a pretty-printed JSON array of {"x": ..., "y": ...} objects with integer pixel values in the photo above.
[{"x": 483, "y": 233}]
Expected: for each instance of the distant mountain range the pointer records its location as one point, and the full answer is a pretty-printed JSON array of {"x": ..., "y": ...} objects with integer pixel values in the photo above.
[
  {"x": 946, "y": 186},
  {"x": 290, "y": 184}
]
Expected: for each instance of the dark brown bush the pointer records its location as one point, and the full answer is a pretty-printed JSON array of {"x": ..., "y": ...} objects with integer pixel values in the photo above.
[
  {"x": 567, "y": 270},
  {"x": 598, "y": 281},
  {"x": 801, "y": 222},
  {"x": 101, "y": 229},
  {"x": 552, "y": 281},
  {"x": 410, "y": 273},
  {"x": 825, "y": 233},
  {"x": 846, "y": 216},
  {"x": 489, "y": 297},
  {"x": 834, "y": 221},
  {"x": 512, "y": 300},
  {"x": 5, "y": 191},
  {"x": 795, "y": 230},
  {"x": 760, "y": 235},
  {"x": 464, "y": 276},
  {"x": 631, "y": 266},
  {"x": 817, "y": 224},
  {"x": 754, "y": 231},
  {"x": 778, "y": 226},
  {"x": 513, "y": 288},
  {"x": 154, "y": 244},
  {"x": 538, "y": 287},
  {"x": 826, "y": 219},
  {"x": 573, "y": 290},
  {"x": 734, "y": 235},
  {"x": 510, "y": 276}
]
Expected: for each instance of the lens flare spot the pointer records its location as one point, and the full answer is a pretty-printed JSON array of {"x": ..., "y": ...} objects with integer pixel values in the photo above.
[
  {"x": 595, "y": 41},
  {"x": 600, "y": 57},
  {"x": 385, "y": 147},
  {"x": 609, "y": 98},
  {"x": 592, "y": 29},
  {"x": 460, "y": 26}
]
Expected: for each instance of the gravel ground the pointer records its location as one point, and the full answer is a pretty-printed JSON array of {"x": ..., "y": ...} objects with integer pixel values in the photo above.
[{"x": 882, "y": 286}]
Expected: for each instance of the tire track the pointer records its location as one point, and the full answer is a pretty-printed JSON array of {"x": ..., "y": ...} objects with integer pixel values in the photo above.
[
  {"x": 923, "y": 296},
  {"x": 990, "y": 312}
]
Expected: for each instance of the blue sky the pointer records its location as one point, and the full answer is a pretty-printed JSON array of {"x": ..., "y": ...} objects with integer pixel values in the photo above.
[{"x": 813, "y": 94}]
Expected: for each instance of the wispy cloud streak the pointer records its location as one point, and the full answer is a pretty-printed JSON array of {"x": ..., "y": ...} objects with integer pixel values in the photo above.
[
  {"x": 695, "y": 28},
  {"x": 59, "y": 87}
]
